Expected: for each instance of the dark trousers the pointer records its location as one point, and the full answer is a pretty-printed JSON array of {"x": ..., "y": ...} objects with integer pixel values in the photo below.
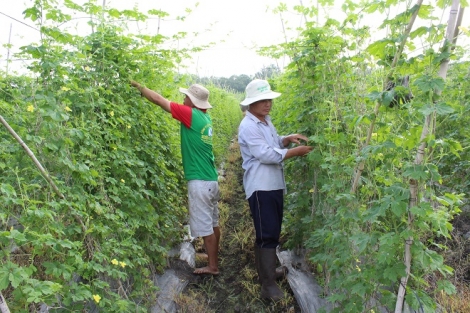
[{"x": 267, "y": 211}]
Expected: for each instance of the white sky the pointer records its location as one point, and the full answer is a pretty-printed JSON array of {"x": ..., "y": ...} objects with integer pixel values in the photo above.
[{"x": 236, "y": 26}]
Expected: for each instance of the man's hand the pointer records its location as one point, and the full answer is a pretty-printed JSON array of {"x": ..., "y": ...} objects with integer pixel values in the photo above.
[
  {"x": 298, "y": 151},
  {"x": 303, "y": 150},
  {"x": 294, "y": 138},
  {"x": 136, "y": 85}
]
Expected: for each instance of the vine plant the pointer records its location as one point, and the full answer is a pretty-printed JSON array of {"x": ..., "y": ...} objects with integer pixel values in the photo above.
[
  {"x": 330, "y": 93},
  {"x": 113, "y": 156}
]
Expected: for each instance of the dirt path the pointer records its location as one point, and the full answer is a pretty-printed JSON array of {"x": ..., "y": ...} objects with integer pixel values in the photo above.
[{"x": 236, "y": 288}]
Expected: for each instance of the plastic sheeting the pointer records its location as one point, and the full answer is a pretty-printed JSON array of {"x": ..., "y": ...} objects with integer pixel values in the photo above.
[
  {"x": 173, "y": 281},
  {"x": 307, "y": 291},
  {"x": 188, "y": 254},
  {"x": 170, "y": 287}
]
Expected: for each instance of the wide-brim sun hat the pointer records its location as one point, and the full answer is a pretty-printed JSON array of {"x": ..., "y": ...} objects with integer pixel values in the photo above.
[
  {"x": 257, "y": 90},
  {"x": 198, "y": 95}
]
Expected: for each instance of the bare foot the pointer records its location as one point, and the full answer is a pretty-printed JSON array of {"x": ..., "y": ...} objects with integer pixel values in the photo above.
[{"x": 206, "y": 270}]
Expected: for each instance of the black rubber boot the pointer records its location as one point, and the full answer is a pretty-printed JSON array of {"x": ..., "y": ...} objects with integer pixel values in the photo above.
[
  {"x": 267, "y": 270},
  {"x": 281, "y": 271},
  {"x": 257, "y": 262}
]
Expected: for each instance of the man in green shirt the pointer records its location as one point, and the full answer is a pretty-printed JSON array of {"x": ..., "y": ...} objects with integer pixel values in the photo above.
[{"x": 198, "y": 165}]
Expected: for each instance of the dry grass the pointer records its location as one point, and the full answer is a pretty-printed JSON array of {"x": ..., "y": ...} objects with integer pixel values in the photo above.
[
  {"x": 457, "y": 257},
  {"x": 458, "y": 303},
  {"x": 228, "y": 188},
  {"x": 224, "y": 213},
  {"x": 191, "y": 303}
]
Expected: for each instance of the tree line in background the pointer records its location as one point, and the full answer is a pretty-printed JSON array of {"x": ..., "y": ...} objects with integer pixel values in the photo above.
[{"x": 237, "y": 83}]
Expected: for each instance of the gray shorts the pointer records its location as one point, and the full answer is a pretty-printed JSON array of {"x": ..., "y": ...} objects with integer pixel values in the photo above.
[{"x": 203, "y": 207}]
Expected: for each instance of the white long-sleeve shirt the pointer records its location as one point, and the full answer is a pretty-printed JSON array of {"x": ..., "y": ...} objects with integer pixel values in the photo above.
[{"x": 263, "y": 154}]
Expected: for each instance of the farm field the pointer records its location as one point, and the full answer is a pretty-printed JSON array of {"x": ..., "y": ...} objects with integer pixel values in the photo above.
[{"x": 92, "y": 188}]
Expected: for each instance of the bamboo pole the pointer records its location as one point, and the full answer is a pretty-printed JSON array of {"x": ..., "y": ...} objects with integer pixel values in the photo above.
[
  {"x": 3, "y": 305},
  {"x": 452, "y": 27},
  {"x": 360, "y": 166},
  {"x": 49, "y": 180},
  {"x": 8, "y": 51},
  {"x": 459, "y": 22},
  {"x": 33, "y": 157}
]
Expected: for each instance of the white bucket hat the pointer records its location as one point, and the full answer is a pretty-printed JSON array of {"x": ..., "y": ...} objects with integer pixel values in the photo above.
[
  {"x": 256, "y": 90},
  {"x": 198, "y": 95}
]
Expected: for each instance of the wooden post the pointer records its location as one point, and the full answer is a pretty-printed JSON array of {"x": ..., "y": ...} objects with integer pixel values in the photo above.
[
  {"x": 48, "y": 178},
  {"x": 3, "y": 305},
  {"x": 451, "y": 28},
  {"x": 8, "y": 51}
]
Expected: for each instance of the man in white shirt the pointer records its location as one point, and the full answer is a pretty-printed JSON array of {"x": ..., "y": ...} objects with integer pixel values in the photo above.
[{"x": 263, "y": 152}]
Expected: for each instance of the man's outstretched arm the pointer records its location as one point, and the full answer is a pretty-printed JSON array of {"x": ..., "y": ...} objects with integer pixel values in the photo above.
[{"x": 152, "y": 96}]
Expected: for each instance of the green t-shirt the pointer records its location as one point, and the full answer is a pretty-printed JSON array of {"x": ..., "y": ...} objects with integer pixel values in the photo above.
[{"x": 196, "y": 148}]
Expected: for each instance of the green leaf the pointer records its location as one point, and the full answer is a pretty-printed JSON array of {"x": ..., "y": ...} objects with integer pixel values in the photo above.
[
  {"x": 374, "y": 213},
  {"x": 438, "y": 108},
  {"x": 17, "y": 236},
  {"x": 359, "y": 288},
  {"x": 17, "y": 276},
  {"x": 398, "y": 208},
  {"x": 360, "y": 241},
  {"x": 443, "y": 109},
  {"x": 445, "y": 55},
  {"x": 387, "y": 97},
  {"x": 427, "y": 109},
  {"x": 57, "y": 34},
  {"x": 315, "y": 157},
  {"x": 33, "y": 294},
  {"x": 433, "y": 171},
  {"x": 375, "y": 6},
  {"x": 415, "y": 172},
  {"x": 425, "y": 11},
  {"x": 72, "y": 5},
  {"x": 7, "y": 190},
  {"x": 374, "y": 96},
  {"x": 378, "y": 48},
  {"x": 35, "y": 52},
  {"x": 5, "y": 274},
  {"x": 395, "y": 272},
  {"x": 114, "y": 13},
  {"x": 447, "y": 287},
  {"x": 428, "y": 258},
  {"x": 158, "y": 13},
  {"x": 57, "y": 16},
  {"x": 32, "y": 13},
  {"x": 428, "y": 83},
  {"x": 420, "y": 31},
  {"x": 56, "y": 115}
]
